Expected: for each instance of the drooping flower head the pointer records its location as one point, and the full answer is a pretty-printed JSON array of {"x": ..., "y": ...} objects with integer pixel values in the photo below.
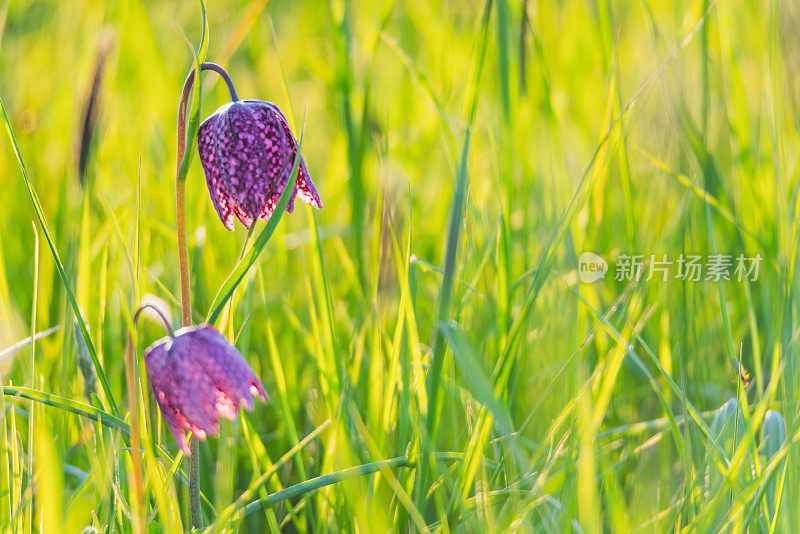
[
  {"x": 197, "y": 376},
  {"x": 248, "y": 151}
]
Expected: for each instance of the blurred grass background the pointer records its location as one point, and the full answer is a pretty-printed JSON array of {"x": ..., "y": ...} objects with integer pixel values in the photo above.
[{"x": 466, "y": 154}]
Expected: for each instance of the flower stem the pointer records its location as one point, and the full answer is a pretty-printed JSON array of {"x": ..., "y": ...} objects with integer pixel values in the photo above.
[
  {"x": 186, "y": 317},
  {"x": 194, "y": 482},
  {"x": 183, "y": 160},
  {"x": 186, "y": 298},
  {"x": 167, "y": 326},
  {"x": 224, "y": 75},
  {"x": 133, "y": 401},
  {"x": 183, "y": 256}
]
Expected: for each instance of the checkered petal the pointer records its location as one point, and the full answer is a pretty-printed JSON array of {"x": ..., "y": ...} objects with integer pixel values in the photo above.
[
  {"x": 247, "y": 151},
  {"x": 198, "y": 376}
]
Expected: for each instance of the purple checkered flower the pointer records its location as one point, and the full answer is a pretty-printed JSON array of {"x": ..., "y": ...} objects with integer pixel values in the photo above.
[
  {"x": 197, "y": 376},
  {"x": 248, "y": 151}
]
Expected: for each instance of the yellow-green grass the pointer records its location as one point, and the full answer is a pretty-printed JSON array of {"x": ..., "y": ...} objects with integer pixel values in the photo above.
[{"x": 432, "y": 358}]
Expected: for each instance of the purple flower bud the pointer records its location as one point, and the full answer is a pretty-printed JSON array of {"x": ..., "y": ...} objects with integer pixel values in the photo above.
[
  {"x": 247, "y": 151},
  {"x": 197, "y": 377}
]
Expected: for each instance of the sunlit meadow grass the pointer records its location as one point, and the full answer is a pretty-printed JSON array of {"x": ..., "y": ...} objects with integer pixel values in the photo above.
[{"x": 432, "y": 359}]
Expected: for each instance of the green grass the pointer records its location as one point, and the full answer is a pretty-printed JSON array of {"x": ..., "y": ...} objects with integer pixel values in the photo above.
[{"x": 432, "y": 359}]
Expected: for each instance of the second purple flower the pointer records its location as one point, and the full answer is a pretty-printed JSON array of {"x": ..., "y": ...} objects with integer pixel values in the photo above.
[
  {"x": 197, "y": 376},
  {"x": 248, "y": 150}
]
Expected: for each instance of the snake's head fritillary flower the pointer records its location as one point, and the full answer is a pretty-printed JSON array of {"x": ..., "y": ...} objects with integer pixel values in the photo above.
[
  {"x": 248, "y": 151},
  {"x": 197, "y": 376}
]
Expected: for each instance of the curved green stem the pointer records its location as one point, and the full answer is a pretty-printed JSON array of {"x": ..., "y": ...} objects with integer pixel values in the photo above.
[
  {"x": 164, "y": 320},
  {"x": 186, "y": 298},
  {"x": 183, "y": 160}
]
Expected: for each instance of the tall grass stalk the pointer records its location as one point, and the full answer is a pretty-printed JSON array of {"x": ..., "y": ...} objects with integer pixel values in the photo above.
[{"x": 434, "y": 358}]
